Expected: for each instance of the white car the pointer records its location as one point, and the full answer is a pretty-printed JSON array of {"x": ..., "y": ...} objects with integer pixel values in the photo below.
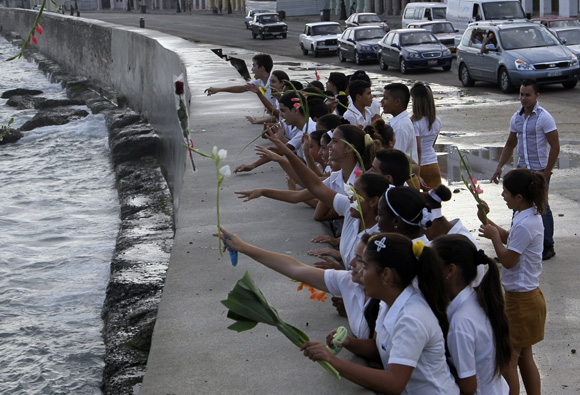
[{"x": 320, "y": 37}]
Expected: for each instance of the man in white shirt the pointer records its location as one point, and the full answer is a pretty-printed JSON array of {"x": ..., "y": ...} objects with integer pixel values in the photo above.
[
  {"x": 262, "y": 65},
  {"x": 395, "y": 100},
  {"x": 359, "y": 112},
  {"x": 533, "y": 130}
]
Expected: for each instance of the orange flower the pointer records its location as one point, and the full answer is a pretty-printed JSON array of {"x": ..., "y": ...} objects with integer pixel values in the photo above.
[
  {"x": 300, "y": 287},
  {"x": 316, "y": 295}
]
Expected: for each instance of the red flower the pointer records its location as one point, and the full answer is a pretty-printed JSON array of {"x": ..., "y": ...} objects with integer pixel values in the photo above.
[
  {"x": 179, "y": 88},
  {"x": 357, "y": 173},
  {"x": 297, "y": 105},
  {"x": 316, "y": 74},
  {"x": 295, "y": 99},
  {"x": 39, "y": 30},
  {"x": 34, "y": 40}
]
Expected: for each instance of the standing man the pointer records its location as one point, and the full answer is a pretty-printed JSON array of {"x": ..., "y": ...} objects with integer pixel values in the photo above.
[
  {"x": 261, "y": 67},
  {"x": 533, "y": 130}
]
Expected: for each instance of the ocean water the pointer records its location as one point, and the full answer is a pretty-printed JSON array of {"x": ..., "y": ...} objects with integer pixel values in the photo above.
[{"x": 59, "y": 218}]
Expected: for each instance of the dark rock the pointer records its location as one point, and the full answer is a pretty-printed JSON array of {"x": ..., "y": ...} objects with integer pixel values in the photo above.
[
  {"x": 20, "y": 92},
  {"x": 24, "y": 102},
  {"x": 56, "y": 117},
  {"x": 52, "y": 103},
  {"x": 100, "y": 106},
  {"x": 121, "y": 119},
  {"x": 133, "y": 142},
  {"x": 10, "y": 136}
]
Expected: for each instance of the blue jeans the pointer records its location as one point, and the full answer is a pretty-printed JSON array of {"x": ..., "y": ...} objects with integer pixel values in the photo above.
[{"x": 548, "y": 221}]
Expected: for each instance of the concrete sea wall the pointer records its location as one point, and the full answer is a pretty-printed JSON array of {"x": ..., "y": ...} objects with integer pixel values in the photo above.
[{"x": 138, "y": 64}]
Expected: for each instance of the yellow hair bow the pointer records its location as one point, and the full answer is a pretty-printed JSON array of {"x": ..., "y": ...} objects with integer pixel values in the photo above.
[
  {"x": 418, "y": 248},
  {"x": 341, "y": 93},
  {"x": 368, "y": 140}
]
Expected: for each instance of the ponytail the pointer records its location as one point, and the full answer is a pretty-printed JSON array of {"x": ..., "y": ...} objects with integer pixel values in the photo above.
[{"x": 530, "y": 184}]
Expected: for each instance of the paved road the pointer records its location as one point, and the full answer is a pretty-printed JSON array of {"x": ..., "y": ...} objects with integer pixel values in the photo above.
[{"x": 229, "y": 30}]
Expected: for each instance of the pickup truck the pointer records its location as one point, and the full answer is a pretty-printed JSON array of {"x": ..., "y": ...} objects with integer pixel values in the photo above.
[{"x": 320, "y": 37}]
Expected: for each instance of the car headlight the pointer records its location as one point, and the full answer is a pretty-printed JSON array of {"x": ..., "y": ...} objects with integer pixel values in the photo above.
[
  {"x": 414, "y": 55},
  {"x": 319, "y": 43},
  {"x": 574, "y": 61},
  {"x": 366, "y": 48},
  {"x": 521, "y": 65},
  {"x": 446, "y": 52}
]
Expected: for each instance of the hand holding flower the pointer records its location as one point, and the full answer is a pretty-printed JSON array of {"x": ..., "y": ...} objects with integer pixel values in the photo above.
[
  {"x": 488, "y": 231},
  {"x": 316, "y": 351},
  {"x": 233, "y": 241},
  {"x": 252, "y": 88},
  {"x": 482, "y": 211}
]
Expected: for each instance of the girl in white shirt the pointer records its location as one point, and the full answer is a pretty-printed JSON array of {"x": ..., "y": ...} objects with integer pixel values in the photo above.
[
  {"x": 478, "y": 337},
  {"x": 408, "y": 337},
  {"x": 524, "y": 191},
  {"x": 427, "y": 127}
]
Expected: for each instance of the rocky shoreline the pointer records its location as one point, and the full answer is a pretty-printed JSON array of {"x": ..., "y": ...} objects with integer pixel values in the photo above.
[{"x": 145, "y": 237}]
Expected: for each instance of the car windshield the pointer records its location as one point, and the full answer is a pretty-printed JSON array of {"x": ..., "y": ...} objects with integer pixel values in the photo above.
[
  {"x": 269, "y": 18},
  {"x": 439, "y": 13},
  {"x": 326, "y": 29},
  {"x": 438, "y": 28},
  {"x": 572, "y": 36},
  {"x": 569, "y": 23},
  {"x": 369, "y": 19},
  {"x": 417, "y": 38},
  {"x": 527, "y": 37},
  {"x": 368, "y": 34},
  {"x": 503, "y": 10}
]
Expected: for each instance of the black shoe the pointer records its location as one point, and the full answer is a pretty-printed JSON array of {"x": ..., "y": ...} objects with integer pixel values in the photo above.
[{"x": 548, "y": 253}]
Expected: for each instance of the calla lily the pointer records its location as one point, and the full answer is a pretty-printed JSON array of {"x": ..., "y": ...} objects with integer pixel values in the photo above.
[
  {"x": 214, "y": 151},
  {"x": 349, "y": 190},
  {"x": 222, "y": 154}
]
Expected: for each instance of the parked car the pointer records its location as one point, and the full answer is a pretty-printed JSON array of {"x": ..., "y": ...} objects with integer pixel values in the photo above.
[
  {"x": 444, "y": 32},
  {"x": 359, "y": 43},
  {"x": 250, "y": 16},
  {"x": 412, "y": 49},
  {"x": 419, "y": 11},
  {"x": 365, "y": 19},
  {"x": 558, "y": 22},
  {"x": 523, "y": 50},
  {"x": 569, "y": 36},
  {"x": 268, "y": 24},
  {"x": 320, "y": 37}
]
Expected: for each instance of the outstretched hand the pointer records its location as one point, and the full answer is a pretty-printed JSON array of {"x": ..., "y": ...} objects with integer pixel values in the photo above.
[
  {"x": 242, "y": 168},
  {"x": 316, "y": 351},
  {"x": 263, "y": 152},
  {"x": 249, "y": 195},
  {"x": 233, "y": 241},
  {"x": 325, "y": 239},
  {"x": 282, "y": 148},
  {"x": 252, "y": 88},
  {"x": 211, "y": 91},
  {"x": 496, "y": 176},
  {"x": 327, "y": 263}
]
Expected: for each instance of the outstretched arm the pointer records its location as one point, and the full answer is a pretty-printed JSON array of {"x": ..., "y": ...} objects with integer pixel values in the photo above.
[
  {"x": 283, "y": 264},
  {"x": 230, "y": 89},
  {"x": 283, "y": 195},
  {"x": 506, "y": 153}
]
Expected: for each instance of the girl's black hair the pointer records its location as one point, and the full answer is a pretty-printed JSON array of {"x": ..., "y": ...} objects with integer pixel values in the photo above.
[
  {"x": 355, "y": 136},
  {"x": 374, "y": 185},
  {"x": 290, "y": 99},
  {"x": 383, "y": 132},
  {"x": 460, "y": 251},
  {"x": 317, "y": 135},
  {"x": 408, "y": 204},
  {"x": 371, "y": 311},
  {"x": 530, "y": 184},
  {"x": 329, "y": 121},
  {"x": 444, "y": 194},
  {"x": 281, "y": 75}
]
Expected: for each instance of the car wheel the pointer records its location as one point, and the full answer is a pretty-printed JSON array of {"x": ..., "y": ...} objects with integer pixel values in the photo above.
[
  {"x": 341, "y": 56},
  {"x": 464, "y": 76},
  {"x": 314, "y": 53},
  {"x": 247, "y": 26},
  {"x": 304, "y": 51},
  {"x": 504, "y": 81},
  {"x": 254, "y": 35},
  {"x": 569, "y": 84},
  {"x": 403, "y": 66},
  {"x": 284, "y": 35},
  {"x": 263, "y": 35},
  {"x": 357, "y": 57},
  {"x": 382, "y": 63},
  {"x": 446, "y": 68}
]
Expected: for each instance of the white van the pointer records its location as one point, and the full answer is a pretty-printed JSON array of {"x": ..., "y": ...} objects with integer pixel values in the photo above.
[
  {"x": 462, "y": 12},
  {"x": 421, "y": 12}
]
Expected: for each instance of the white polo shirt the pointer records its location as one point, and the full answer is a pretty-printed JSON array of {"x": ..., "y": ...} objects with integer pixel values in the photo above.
[
  {"x": 350, "y": 235},
  {"x": 336, "y": 182},
  {"x": 405, "y": 139},
  {"x": 355, "y": 117},
  {"x": 526, "y": 237},
  {"x": 259, "y": 83},
  {"x": 471, "y": 343},
  {"x": 339, "y": 283},
  {"x": 533, "y": 147},
  {"x": 428, "y": 137},
  {"x": 408, "y": 333}
]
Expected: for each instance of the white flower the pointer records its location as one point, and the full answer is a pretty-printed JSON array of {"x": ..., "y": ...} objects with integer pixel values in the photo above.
[
  {"x": 349, "y": 190},
  {"x": 214, "y": 151},
  {"x": 225, "y": 171},
  {"x": 354, "y": 205},
  {"x": 222, "y": 154}
]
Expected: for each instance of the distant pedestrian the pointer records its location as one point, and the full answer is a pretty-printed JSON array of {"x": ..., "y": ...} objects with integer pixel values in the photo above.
[
  {"x": 352, "y": 8},
  {"x": 533, "y": 130}
]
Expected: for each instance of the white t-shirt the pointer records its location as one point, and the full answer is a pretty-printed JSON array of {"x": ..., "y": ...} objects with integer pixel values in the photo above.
[
  {"x": 268, "y": 93},
  {"x": 408, "y": 333},
  {"x": 296, "y": 140},
  {"x": 339, "y": 283},
  {"x": 350, "y": 235},
  {"x": 526, "y": 237},
  {"x": 355, "y": 117},
  {"x": 428, "y": 137},
  {"x": 471, "y": 343},
  {"x": 336, "y": 182},
  {"x": 405, "y": 139}
]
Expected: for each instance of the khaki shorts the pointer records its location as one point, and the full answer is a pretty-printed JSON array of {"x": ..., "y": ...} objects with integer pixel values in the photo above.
[
  {"x": 431, "y": 175},
  {"x": 526, "y": 315}
]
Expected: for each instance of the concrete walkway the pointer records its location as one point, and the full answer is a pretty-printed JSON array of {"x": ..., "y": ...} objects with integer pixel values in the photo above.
[{"x": 193, "y": 352}]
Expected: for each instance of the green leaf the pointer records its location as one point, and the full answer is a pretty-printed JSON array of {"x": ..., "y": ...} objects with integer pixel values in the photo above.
[{"x": 241, "y": 326}]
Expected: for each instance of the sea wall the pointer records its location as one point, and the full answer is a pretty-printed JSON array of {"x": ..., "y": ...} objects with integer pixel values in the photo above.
[{"x": 138, "y": 64}]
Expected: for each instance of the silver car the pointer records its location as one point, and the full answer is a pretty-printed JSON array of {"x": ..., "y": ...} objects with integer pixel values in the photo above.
[
  {"x": 508, "y": 52},
  {"x": 570, "y": 36}
]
